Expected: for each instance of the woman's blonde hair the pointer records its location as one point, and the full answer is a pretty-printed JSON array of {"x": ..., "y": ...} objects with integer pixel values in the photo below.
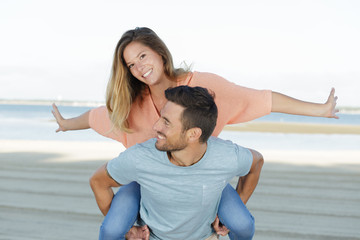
[{"x": 123, "y": 87}]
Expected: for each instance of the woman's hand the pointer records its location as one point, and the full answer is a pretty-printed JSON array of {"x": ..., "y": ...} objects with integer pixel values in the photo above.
[
  {"x": 330, "y": 105},
  {"x": 59, "y": 118},
  {"x": 77, "y": 123}
]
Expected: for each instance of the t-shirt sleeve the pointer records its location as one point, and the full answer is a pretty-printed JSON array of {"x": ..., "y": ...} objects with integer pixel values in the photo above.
[
  {"x": 235, "y": 103},
  {"x": 100, "y": 122},
  {"x": 123, "y": 168},
  {"x": 244, "y": 160}
]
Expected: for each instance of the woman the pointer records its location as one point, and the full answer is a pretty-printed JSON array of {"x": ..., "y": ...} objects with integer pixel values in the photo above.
[{"x": 142, "y": 70}]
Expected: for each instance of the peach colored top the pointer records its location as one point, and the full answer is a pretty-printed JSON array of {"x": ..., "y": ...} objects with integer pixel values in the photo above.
[{"x": 235, "y": 104}]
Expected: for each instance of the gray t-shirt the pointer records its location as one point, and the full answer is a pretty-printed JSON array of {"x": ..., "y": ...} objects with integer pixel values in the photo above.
[{"x": 180, "y": 202}]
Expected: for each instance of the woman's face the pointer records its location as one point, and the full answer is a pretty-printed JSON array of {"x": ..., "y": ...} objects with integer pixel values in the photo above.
[{"x": 144, "y": 63}]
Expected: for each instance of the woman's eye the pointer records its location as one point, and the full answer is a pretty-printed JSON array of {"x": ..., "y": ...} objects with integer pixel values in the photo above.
[
  {"x": 130, "y": 66},
  {"x": 142, "y": 56}
]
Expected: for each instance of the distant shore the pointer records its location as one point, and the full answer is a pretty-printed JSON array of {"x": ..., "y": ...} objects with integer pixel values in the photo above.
[
  {"x": 290, "y": 127},
  {"x": 343, "y": 109},
  {"x": 50, "y": 102}
]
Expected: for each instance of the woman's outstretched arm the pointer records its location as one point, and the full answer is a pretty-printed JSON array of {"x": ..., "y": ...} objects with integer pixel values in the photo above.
[
  {"x": 285, "y": 104},
  {"x": 77, "y": 123}
]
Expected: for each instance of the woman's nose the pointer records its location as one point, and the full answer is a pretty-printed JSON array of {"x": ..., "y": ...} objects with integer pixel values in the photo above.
[
  {"x": 139, "y": 66},
  {"x": 156, "y": 125}
]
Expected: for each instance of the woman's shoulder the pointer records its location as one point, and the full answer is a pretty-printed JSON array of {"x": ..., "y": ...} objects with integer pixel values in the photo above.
[
  {"x": 205, "y": 75},
  {"x": 207, "y": 79},
  {"x": 202, "y": 79}
]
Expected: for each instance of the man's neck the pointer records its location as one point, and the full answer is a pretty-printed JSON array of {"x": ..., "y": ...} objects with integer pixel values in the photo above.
[{"x": 188, "y": 156}]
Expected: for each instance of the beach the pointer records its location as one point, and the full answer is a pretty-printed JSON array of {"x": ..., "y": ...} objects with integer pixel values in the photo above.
[{"x": 306, "y": 192}]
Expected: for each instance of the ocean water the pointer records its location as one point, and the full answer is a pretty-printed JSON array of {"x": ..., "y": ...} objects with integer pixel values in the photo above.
[
  {"x": 36, "y": 122},
  {"x": 346, "y": 119}
]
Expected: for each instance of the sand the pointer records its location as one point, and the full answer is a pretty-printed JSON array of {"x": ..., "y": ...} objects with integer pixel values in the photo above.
[{"x": 44, "y": 192}]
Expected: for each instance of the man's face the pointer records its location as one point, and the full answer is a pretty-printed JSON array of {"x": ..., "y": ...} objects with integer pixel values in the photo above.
[{"x": 170, "y": 136}]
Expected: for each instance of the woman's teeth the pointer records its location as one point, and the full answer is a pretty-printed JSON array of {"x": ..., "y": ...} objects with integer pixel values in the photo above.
[{"x": 147, "y": 73}]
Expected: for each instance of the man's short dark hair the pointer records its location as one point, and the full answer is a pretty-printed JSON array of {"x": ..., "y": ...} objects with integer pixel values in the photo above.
[{"x": 200, "y": 108}]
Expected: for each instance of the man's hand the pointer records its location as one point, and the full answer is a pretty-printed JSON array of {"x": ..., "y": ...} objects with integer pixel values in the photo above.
[
  {"x": 138, "y": 233},
  {"x": 219, "y": 228}
]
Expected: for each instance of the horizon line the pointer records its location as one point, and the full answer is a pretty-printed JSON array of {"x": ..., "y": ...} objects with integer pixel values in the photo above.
[{"x": 87, "y": 103}]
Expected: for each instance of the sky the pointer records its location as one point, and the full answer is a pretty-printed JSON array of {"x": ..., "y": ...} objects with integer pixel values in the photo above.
[{"x": 62, "y": 50}]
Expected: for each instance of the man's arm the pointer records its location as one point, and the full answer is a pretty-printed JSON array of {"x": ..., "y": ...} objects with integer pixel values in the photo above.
[
  {"x": 247, "y": 184},
  {"x": 101, "y": 184}
]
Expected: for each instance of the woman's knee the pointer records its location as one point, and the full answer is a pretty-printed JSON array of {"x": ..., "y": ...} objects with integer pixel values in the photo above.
[
  {"x": 123, "y": 212},
  {"x": 234, "y": 214},
  {"x": 244, "y": 229},
  {"x": 109, "y": 231},
  {"x": 127, "y": 197}
]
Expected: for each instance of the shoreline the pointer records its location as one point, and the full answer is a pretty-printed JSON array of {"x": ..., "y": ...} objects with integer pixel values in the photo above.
[
  {"x": 292, "y": 127},
  {"x": 342, "y": 109},
  {"x": 50, "y": 102}
]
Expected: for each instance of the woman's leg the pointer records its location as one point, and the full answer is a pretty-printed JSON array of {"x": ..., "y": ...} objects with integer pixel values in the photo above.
[
  {"x": 235, "y": 216},
  {"x": 123, "y": 213}
]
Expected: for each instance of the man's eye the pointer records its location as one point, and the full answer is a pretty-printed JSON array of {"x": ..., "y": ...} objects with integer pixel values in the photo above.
[{"x": 142, "y": 56}]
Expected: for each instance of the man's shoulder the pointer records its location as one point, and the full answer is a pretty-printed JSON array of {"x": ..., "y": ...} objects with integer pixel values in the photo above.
[
  {"x": 216, "y": 142},
  {"x": 147, "y": 146},
  {"x": 221, "y": 145}
]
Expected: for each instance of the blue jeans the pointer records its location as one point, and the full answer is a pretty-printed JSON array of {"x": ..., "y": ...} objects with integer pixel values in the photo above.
[
  {"x": 125, "y": 208},
  {"x": 235, "y": 216}
]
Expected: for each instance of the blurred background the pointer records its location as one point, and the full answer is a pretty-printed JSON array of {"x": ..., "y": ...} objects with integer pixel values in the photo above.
[{"x": 62, "y": 50}]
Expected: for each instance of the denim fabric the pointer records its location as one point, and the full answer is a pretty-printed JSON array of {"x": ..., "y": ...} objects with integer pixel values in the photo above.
[
  {"x": 123, "y": 213},
  {"x": 235, "y": 216}
]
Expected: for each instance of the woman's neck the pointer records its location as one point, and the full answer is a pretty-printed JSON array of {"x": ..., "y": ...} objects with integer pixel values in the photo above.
[{"x": 158, "y": 92}]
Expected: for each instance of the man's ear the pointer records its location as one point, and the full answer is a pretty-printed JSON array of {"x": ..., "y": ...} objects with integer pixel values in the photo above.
[{"x": 194, "y": 134}]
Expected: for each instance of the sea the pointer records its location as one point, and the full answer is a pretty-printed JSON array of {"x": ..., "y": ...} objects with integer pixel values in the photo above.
[{"x": 36, "y": 122}]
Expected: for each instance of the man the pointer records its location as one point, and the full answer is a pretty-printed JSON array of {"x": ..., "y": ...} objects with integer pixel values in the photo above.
[{"x": 182, "y": 172}]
